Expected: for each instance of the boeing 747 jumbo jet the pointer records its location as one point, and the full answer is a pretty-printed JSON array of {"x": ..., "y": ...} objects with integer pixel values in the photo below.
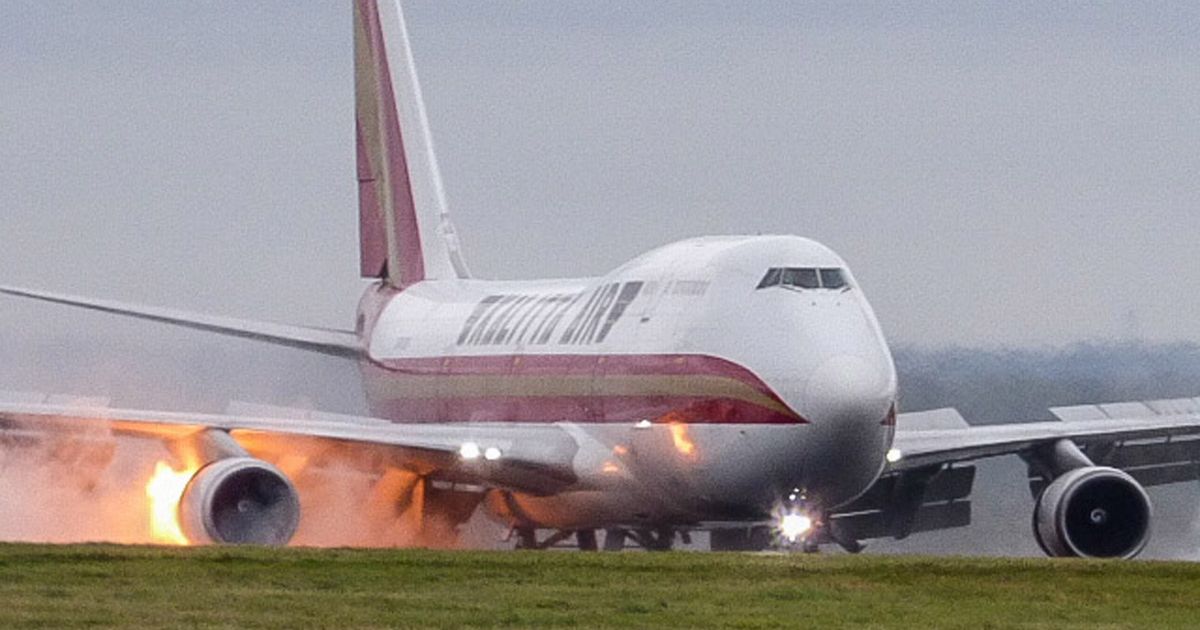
[{"x": 736, "y": 384}]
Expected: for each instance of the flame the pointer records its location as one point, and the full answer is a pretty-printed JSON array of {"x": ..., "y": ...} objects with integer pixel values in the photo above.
[
  {"x": 293, "y": 465},
  {"x": 683, "y": 442},
  {"x": 165, "y": 490}
]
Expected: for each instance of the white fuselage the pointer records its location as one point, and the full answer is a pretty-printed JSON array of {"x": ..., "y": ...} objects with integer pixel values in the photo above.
[{"x": 694, "y": 393}]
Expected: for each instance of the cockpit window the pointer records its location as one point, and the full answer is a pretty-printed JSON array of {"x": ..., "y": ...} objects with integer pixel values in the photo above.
[
  {"x": 771, "y": 279},
  {"x": 833, "y": 279},
  {"x": 805, "y": 278},
  {"x": 802, "y": 278}
]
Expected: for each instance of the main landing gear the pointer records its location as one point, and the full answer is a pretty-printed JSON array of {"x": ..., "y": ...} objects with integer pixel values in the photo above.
[
  {"x": 826, "y": 531},
  {"x": 659, "y": 539}
]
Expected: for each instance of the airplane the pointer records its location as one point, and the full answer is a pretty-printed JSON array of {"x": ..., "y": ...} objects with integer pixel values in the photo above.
[{"x": 739, "y": 385}]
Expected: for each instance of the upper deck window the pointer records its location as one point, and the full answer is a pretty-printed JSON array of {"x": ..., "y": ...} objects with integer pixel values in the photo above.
[{"x": 805, "y": 278}]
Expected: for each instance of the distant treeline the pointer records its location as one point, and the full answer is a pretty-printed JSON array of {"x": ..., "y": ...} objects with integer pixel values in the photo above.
[{"x": 990, "y": 386}]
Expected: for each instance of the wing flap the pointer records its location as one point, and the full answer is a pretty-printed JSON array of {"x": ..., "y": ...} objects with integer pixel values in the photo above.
[
  {"x": 928, "y": 518},
  {"x": 1136, "y": 409},
  {"x": 1143, "y": 455},
  {"x": 902, "y": 503},
  {"x": 950, "y": 484},
  {"x": 1165, "y": 475},
  {"x": 933, "y": 420}
]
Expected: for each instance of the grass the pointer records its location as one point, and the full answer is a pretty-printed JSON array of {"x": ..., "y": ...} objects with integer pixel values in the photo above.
[{"x": 98, "y": 586}]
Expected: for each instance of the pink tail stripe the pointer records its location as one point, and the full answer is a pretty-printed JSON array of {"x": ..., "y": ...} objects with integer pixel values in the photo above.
[
  {"x": 371, "y": 231},
  {"x": 383, "y": 161}
]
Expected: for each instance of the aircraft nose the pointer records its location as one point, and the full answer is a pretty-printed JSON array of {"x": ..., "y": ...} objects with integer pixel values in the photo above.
[
  {"x": 849, "y": 391},
  {"x": 847, "y": 401}
]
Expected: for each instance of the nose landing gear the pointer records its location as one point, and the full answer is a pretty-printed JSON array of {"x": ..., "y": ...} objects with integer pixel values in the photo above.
[
  {"x": 850, "y": 545},
  {"x": 799, "y": 523}
]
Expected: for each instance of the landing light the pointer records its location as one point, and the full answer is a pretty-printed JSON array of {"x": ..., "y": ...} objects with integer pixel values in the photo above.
[
  {"x": 894, "y": 455},
  {"x": 793, "y": 526},
  {"x": 470, "y": 450},
  {"x": 492, "y": 454}
]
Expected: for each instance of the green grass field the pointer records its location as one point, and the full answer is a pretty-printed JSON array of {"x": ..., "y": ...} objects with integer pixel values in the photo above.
[{"x": 44, "y": 586}]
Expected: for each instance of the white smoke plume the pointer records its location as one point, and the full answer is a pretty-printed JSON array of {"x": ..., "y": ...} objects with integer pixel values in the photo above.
[{"x": 77, "y": 489}]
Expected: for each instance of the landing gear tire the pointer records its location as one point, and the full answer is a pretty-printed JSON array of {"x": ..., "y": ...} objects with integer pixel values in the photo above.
[
  {"x": 586, "y": 539},
  {"x": 527, "y": 538},
  {"x": 614, "y": 539},
  {"x": 661, "y": 539},
  {"x": 850, "y": 545}
]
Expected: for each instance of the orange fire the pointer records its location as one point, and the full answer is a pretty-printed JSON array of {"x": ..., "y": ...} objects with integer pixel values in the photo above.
[
  {"x": 683, "y": 441},
  {"x": 165, "y": 490}
]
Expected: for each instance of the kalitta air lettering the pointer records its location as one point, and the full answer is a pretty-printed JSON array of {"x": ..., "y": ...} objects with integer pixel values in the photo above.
[{"x": 534, "y": 319}]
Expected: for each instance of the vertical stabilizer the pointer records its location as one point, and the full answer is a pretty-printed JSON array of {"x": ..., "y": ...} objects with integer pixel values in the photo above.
[{"x": 404, "y": 225}]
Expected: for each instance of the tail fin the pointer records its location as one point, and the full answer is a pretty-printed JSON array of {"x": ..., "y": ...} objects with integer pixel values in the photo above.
[{"x": 404, "y": 225}]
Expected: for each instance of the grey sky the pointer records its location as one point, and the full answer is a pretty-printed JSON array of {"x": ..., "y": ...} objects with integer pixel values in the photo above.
[{"x": 995, "y": 173}]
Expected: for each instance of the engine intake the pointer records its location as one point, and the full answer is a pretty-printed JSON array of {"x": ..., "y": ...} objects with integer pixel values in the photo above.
[
  {"x": 1093, "y": 512},
  {"x": 240, "y": 501}
]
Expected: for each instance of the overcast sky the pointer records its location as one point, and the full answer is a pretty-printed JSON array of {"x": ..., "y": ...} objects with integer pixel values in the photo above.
[{"x": 995, "y": 173}]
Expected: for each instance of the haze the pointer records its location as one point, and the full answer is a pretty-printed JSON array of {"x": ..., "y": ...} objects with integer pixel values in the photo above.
[{"x": 995, "y": 173}]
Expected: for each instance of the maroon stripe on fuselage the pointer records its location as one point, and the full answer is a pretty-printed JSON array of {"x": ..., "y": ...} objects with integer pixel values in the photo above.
[
  {"x": 566, "y": 364},
  {"x": 439, "y": 389}
]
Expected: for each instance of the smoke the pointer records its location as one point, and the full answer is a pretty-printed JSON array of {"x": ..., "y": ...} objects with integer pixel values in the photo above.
[
  {"x": 343, "y": 507},
  {"x": 77, "y": 488},
  {"x": 1176, "y": 527},
  {"x": 356, "y": 496},
  {"x": 90, "y": 486}
]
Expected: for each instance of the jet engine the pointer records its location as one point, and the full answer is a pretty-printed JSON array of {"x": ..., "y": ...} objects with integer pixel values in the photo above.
[
  {"x": 1093, "y": 512},
  {"x": 240, "y": 501}
]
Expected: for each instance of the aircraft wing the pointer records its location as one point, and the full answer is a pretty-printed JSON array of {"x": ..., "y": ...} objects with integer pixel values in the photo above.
[
  {"x": 929, "y": 485},
  {"x": 944, "y": 437},
  {"x": 330, "y": 342},
  {"x": 531, "y": 459}
]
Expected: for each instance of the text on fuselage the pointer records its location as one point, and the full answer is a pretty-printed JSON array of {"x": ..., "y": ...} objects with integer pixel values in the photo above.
[{"x": 534, "y": 319}]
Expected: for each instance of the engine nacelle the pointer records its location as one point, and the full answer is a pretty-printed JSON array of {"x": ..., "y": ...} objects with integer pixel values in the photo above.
[
  {"x": 1093, "y": 512},
  {"x": 240, "y": 501}
]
